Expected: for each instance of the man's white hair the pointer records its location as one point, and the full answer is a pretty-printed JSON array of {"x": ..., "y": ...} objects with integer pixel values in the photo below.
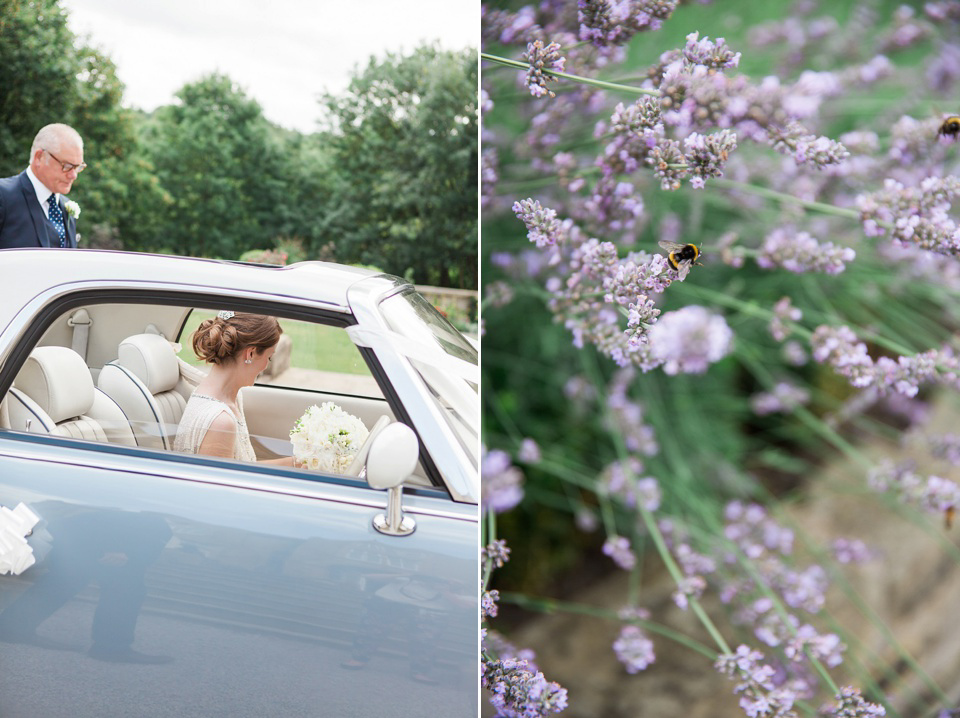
[{"x": 52, "y": 137}]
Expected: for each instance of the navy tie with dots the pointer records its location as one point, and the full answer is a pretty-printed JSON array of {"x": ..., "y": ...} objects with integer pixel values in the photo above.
[{"x": 56, "y": 219}]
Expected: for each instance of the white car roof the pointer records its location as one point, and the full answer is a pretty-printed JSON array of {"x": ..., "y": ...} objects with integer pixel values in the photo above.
[{"x": 26, "y": 272}]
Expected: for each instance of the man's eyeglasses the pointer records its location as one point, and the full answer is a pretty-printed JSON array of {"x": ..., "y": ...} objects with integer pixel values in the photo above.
[{"x": 68, "y": 166}]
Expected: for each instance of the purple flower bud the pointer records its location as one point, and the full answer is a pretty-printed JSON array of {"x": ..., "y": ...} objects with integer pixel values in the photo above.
[
  {"x": 634, "y": 650},
  {"x": 500, "y": 481},
  {"x": 542, "y": 60},
  {"x": 783, "y": 398},
  {"x": 799, "y": 252},
  {"x": 618, "y": 548},
  {"x": 543, "y": 227},
  {"x": 497, "y": 553}
]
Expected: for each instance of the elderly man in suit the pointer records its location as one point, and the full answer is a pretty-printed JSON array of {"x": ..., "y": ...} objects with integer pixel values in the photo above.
[{"x": 33, "y": 211}]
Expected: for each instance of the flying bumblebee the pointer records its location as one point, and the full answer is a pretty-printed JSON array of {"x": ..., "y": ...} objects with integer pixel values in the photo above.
[
  {"x": 950, "y": 127},
  {"x": 683, "y": 254},
  {"x": 948, "y": 515}
]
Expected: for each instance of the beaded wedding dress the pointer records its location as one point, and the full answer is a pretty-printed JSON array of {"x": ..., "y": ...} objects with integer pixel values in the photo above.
[{"x": 199, "y": 413}]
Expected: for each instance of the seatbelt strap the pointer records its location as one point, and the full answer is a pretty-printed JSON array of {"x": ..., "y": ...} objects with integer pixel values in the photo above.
[{"x": 80, "y": 321}]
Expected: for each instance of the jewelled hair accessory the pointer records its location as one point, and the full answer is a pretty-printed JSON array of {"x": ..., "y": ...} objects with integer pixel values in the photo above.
[{"x": 225, "y": 314}]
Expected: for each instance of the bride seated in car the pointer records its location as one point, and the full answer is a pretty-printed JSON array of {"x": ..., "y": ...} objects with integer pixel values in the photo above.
[{"x": 238, "y": 347}]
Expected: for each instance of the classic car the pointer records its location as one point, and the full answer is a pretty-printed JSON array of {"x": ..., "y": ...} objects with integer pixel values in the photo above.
[{"x": 139, "y": 581}]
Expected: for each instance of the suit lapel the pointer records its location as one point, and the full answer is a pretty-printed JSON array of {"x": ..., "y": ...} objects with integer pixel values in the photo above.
[{"x": 46, "y": 234}]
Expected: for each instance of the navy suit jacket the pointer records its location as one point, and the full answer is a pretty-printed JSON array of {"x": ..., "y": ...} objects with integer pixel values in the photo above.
[{"x": 22, "y": 221}]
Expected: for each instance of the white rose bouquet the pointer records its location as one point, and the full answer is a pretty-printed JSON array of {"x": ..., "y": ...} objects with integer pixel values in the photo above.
[{"x": 326, "y": 438}]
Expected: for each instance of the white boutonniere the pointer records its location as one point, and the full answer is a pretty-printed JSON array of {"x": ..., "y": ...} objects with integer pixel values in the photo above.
[{"x": 73, "y": 209}]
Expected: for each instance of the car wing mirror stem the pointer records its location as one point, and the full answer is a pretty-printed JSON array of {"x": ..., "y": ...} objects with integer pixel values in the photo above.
[
  {"x": 392, "y": 458},
  {"x": 393, "y": 522}
]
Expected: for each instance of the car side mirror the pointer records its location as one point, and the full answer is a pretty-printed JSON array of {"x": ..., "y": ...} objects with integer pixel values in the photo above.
[{"x": 392, "y": 458}]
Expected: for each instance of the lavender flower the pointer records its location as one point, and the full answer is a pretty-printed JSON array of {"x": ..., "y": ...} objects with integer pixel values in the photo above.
[
  {"x": 905, "y": 374},
  {"x": 633, "y": 649},
  {"x": 618, "y": 548},
  {"x": 848, "y": 357},
  {"x": 794, "y": 354},
  {"x": 851, "y": 551},
  {"x": 839, "y": 347},
  {"x": 542, "y": 59},
  {"x": 784, "y": 397},
  {"x": 850, "y": 704},
  {"x": 687, "y": 588},
  {"x": 518, "y": 689},
  {"x": 914, "y": 215},
  {"x": 758, "y": 696},
  {"x": 614, "y": 22},
  {"x": 689, "y": 340},
  {"x": 708, "y": 53},
  {"x": 497, "y": 294},
  {"x": 934, "y": 494},
  {"x": 488, "y": 604},
  {"x": 506, "y": 27},
  {"x": 946, "y": 446},
  {"x": 615, "y": 204},
  {"x": 496, "y": 553},
  {"x": 626, "y": 416},
  {"x": 799, "y": 252},
  {"x": 707, "y": 154},
  {"x": 944, "y": 70},
  {"x": 518, "y": 692},
  {"x": 579, "y": 390},
  {"x": 529, "y": 452},
  {"x": 807, "y": 148},
  {"x": 636, "y": 130},
  {"x": 500, "y": 481},
  {"x": 543, "y": 227},
  {"x": 695, "y": 567},
  {"x": 783, "y": 312},
  {"x": 827, "y": 648},
  {"x": 668, "y": 162}
]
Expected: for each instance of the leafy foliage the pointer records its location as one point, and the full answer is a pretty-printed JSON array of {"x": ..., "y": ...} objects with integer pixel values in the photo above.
[
  {"x": 391, "y": 182},
  {"x": 404, "y": 139}
]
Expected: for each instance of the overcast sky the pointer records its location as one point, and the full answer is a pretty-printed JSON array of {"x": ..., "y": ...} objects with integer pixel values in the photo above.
[{"x": 282, "y": 53}]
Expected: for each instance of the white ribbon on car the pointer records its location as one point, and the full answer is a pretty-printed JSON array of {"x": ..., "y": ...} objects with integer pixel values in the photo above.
[
  {"x": 16, "y": 556},
  {"x": 412, "y": 349}
]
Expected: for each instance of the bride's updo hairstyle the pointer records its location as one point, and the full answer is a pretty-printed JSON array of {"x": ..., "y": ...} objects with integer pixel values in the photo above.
[{"x": 222, "y": 338}]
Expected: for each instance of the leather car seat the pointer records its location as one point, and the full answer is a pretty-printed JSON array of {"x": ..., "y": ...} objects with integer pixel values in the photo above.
[
  {"x": 143, "y": 381},
  {"x": 54, "y": 394}
]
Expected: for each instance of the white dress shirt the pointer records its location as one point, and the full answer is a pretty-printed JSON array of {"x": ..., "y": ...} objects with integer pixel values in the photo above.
[{"x": 43, "y": 194}]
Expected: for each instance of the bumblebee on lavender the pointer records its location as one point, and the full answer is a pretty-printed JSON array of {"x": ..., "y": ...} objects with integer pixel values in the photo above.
[
  {"x": 950, "y": 127},
  {"x": 681, "y": 254}
]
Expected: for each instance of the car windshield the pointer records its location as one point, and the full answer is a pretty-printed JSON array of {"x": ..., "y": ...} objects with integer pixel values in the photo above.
[{"x": 413, "y": 317}]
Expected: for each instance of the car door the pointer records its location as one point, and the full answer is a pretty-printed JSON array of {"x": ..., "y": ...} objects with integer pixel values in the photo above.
[
  {"x": 268, "y": 596},
  {"x": 177, "y": 585}
]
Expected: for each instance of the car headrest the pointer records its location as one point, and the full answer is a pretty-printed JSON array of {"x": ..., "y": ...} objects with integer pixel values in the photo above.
[
  {"x": 150, "y": 357},
  {"x": 58, "y": 380}
]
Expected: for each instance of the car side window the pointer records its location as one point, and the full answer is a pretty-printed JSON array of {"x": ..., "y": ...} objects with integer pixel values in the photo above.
[
  {"x": 310, "y": 356},
  {"x": 125, "y": 381}
]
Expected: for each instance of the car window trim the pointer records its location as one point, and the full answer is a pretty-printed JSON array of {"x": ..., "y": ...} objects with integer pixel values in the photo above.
[{"x": 218, "y": 464}]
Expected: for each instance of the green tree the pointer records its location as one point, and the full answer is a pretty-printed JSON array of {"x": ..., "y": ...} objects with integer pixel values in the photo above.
[
  {"x": 223, "y": 168},
  {"x": 404, "y": 141},
  {"x": 40, "y": 67}
]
